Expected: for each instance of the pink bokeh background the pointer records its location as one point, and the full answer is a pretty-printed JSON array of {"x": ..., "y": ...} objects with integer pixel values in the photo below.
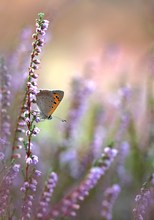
[{"x": 108, "y": 41}]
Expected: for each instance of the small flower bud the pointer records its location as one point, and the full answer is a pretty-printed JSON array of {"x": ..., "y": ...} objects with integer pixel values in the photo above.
[
  {"x": 36, "y": 61},
  {"x": 29, "y": 160},
  {"x": 34, "y": 36}
]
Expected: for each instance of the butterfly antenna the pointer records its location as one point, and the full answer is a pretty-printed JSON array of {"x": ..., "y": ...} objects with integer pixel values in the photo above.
[{"x": 62, "y": 120}]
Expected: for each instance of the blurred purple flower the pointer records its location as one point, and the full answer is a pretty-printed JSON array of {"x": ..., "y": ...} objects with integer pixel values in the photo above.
[
  {"x": 29, "y": 189},
  {"x": 18, "y": 60},
  {"x": 4, "y": 104},
  {"x": 5, "y": 184},
  {"x": 44, "y": 202},
  {"x": 109, "y": 199},
  {"x": 98, "y": 134},
  {"x": 38, "y": 172},
  {"x": 123, "y": 153},
  {"x": 144, "y": 201},
  {"x": 69, "y": 204},
  {"x": 27, "y": 207},
  {"x": 81, "y": 90}
]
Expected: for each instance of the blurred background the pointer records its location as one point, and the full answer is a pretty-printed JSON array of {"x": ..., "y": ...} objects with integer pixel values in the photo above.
[{"x": 105, "y": 39}]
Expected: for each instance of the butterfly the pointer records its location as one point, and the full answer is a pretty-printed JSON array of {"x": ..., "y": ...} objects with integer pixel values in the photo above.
[{"x": 47, "y": 102}]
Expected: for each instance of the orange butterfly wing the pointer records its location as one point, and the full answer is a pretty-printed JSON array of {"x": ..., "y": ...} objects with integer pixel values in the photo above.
[{"x": 57, "y": 99}]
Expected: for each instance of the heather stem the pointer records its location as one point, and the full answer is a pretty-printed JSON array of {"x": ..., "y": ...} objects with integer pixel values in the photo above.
[
  {"x": 37, "y": 44},
  {"x": 30, "y": 184}
]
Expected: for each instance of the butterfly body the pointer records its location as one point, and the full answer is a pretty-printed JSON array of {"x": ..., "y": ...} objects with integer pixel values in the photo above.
[{"x": 47, "y": 102}]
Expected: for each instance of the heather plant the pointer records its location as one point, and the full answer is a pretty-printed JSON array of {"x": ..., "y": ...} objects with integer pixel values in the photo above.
[{"x": 98, "y": 164}]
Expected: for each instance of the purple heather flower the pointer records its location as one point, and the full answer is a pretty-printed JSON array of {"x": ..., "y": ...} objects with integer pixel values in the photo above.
[
  {"x": 28, "y": 132},
  {"x": 32, "y": 97},
  {"x": 5, "y": 184},
  {"x": 22, "y": 189},
  {"x": 124, "y": 95},
  {"x": 44, "y": 202},
  {"x": 5, "y": 79},
  {"x": 36, "y": 130},
  {"x": 38, "y": 172},
  {"x": 124, "y": 92},
  {"x": 34, "y": 75},
  {"x": 69, "y": 204},
  {"x": 27, "y": 120},
  {"x": 16, "y": 167},
  {"x": 32, "y": 89},
  {"x": 20, "y": 139},
  {"x": 29, "y": 160},
  {"x": 20, "y": 130},
  {"x": 110, "y": 196},
  {"x": 142, "y": 204},
  {"x": 27, "y": 207},
  {"x": 81, "y": 91},
  {"x": 25, "y": 114},
  {"x": 99, "y": 133},
  {"x": 21, "y": 123},
  {"x": 30, "y": 188},
  {"x": 36, "y": 61},
  {"x": 124, "y": 114},
  {"x": 37, "y": 119},
  {"x": 34, "y": 159},
  {"x": 144, "y": 200},
  {"x": 31, "y": 145},
  {"x": 2, "y": 141},
  {"x": 93, "y": 177},
  {"x": 33, "y": 184},
  {"x": 26, "y": 184}
]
